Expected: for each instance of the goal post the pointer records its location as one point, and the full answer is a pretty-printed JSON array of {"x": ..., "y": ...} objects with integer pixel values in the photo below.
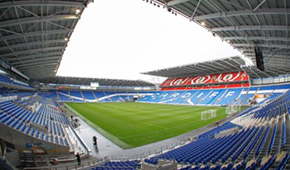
[
  {"x": 208, "y": 114},
  {"x": 233, "y": 108}
]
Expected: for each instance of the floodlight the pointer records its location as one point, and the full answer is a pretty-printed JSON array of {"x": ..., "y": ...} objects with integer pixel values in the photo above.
[{"x": 78, "y": 11}]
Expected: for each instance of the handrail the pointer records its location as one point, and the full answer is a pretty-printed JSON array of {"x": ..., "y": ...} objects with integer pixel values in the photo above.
[
  {"x": 81, "y": 140},
  {"x": 86, "y": 164},
  {"x": 4, "y": 163}
]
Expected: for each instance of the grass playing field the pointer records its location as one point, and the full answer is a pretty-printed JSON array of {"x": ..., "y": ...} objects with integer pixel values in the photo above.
[{"x": 135, "y": 124}]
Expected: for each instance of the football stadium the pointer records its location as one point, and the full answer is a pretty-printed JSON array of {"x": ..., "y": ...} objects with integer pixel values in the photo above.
[{"x": 220, "y": 114}]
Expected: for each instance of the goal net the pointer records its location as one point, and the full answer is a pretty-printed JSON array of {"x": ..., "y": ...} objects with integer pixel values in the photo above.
[
  {"x": 233, "y": 108},
  {"x": 208, "y": 114}
]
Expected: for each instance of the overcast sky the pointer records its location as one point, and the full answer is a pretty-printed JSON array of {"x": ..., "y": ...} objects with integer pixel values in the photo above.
[{"x": 119, "y": 39}]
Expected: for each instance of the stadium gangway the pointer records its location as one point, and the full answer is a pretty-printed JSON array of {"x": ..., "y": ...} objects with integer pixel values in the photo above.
[
  {"x": 227, "y": 149},
  {"x": 260, "y": 145},
  {"x": 246, "y": 154},
  {"x": 273, "y": 137},
  {"x": 284, "y": 137},
  {"x": 245, "y": 143},
  {"x": 235, "y": 145}
]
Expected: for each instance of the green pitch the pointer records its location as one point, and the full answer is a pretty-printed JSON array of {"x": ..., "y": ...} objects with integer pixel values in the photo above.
[{"x": 135, "y": 124}]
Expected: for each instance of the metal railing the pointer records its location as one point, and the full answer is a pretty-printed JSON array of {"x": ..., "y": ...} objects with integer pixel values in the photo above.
[{"x": 75, "y": 165}]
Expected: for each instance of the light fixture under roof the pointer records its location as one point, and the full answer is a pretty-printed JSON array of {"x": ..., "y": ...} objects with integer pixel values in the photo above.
[
  {"x": 78, "y": 11},
  {"x": 66, "y": 39},
  {"x": 202, "y": 23}
]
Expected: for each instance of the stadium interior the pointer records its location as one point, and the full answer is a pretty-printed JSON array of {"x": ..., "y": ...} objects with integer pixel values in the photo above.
[{"x": 41, "y": 128}]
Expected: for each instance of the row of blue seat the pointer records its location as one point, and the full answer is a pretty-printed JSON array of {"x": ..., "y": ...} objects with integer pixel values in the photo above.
[
  {"x": 283, "y": 162},
  {"x": 273, "y": 138},
  {"x": 114, "y": 165},
  {"x": 225, "y": 126},
  {"x": 246, "y": 154},
  {"x": 53, "y": 124},
  {"x": 17, "y": 117},
  {"x": 284, "y": 135},
  {"x": 269, "y": 162},
  {"x": 34, "y": 118},
  {"x": 82, "y": 96},
  {"x": 211, "y": 96},
  {"x": 207, "y": 150}
]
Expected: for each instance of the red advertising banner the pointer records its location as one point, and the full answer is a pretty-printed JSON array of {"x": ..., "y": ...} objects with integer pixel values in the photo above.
[{"x": 207, "y": 79}]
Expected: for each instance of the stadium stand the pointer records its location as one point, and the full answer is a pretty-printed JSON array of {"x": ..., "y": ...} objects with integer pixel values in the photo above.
[
  {"x": 247, "y": 147},
  {"x": 229, "y": 96},
  {"x": 11, "y": 82},
  {"x": 177, "y": 97},
  {"x": 255, "y": 137},
  {"x": 76, "y": 96},
  {"x": 33, "y": 117},
  {"x": 92, "y": 96},
  {"x": 217, "y": 97},
  {"x": 88, "y": 95},
  {"x": 259, "y": 138},
  {"x": 64, "y": 95}
]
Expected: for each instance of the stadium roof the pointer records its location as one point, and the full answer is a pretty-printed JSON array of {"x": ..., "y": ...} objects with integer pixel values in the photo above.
[
  {"x": 245, "y": 24},
  {"x": 87, "y": 81},
  {"x": 34, "y": 34},
  {"x": 231, "y": 64}
]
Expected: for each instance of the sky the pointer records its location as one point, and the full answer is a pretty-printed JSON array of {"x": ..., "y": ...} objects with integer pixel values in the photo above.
[{"x": 119, "y": 39}]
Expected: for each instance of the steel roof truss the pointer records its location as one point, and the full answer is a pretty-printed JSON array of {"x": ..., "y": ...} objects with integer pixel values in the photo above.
[
  {"x": 33, "y": 51},
  {"x": 28, "y": 20},
  {"x": 37, "y": 60},
  {"x": 31, "y": 43},
  {"x": 251, "y": 27},
  {"x": 41, "y": 3},
  {"x": 32, "y": 65},
  {"x": 246, "y": 12},
  {"x": 31, "y": 57},
  {"x": 37, "y": 33}
]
